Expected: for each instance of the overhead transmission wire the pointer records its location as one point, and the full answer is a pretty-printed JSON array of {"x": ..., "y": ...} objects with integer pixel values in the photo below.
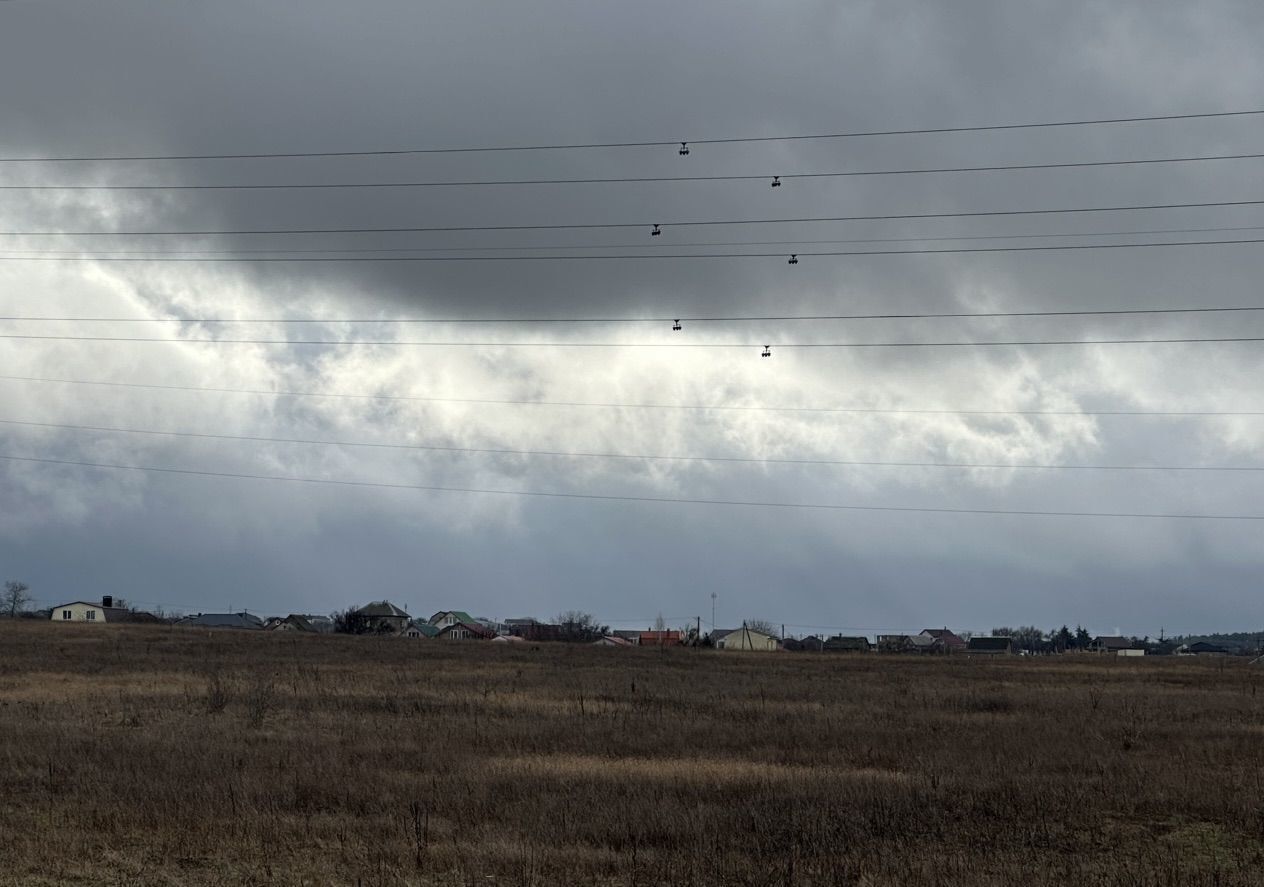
[
  {"x": 1175, "y": 340},
  {"x": 774, "y": 180},
  {"x": 739, "y": 503},
  {"x": 572, "y": 226},
  {"x": 650, "y": 457},
  {"x": 683, "y": 318},
  {"x": 740, "y": 408},
  {"x": 641, "y": 256},
  {"x": 644, "y": 143},
  {"x": 641, "y": 245}
]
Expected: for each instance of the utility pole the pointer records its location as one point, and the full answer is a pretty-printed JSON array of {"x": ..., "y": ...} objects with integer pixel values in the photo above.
[
  {"x": 713, "y": 611},
  {"x": 697, "y": 632}
]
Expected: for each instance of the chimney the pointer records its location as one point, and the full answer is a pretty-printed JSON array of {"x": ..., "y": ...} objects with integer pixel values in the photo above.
[{"x": 107, "y": 600}]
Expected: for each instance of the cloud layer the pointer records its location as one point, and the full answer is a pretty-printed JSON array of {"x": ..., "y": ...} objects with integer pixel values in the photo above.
[{"x": 232, "y": 77}]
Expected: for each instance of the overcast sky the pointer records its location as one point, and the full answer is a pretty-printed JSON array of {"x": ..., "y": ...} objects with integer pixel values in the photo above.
[{"x": 79, "y": 78}]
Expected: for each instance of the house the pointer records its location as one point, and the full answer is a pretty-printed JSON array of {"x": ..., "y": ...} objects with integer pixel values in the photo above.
[
  {"x": 714, "y": 636},
  {"x": 847, "y": 644},
  {"x": 921, "y": 644},
  {"x": 745, "y": 639},
  {"x": 464, "y": 631},
  {"x": 243, "y": 620},
  {"x": 320, "y": 624},
  {"x": 444, "y": 618},
  {"x": 612, "y": 640},
  {"x": 535, "y": 631},
  {"x": 104, "y": 612},
  {"x": 945, "y": 641},
  {"x": 669, "y": 638},
  {"x": 419, "y": 629},
  {"x": 1109, "y": 644},
  {"x": 632, "y": 637},
  {"x": 894, "y": 643},
  {"x": 379, "y": 617},
  {"x": 1204, "y": 648},
  {"x": 293, "y": 622},
  {"x": 990, "y": 646}
]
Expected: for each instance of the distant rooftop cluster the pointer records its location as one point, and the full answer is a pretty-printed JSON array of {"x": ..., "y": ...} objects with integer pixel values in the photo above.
[{"x": 385, "y": 619}]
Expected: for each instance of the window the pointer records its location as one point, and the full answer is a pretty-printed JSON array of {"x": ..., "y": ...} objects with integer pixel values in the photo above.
[
  {"x": 66, "y": 614},
  {"x": 91, "y": 615}
]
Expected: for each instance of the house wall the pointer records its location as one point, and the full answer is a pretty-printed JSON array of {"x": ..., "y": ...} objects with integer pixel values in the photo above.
[
  {"x": 747, "y": 640},
  {"x": 79, "y": 612}
]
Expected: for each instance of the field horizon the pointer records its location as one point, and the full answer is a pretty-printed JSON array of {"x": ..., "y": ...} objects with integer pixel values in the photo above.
[{"x": 158, "y": 755}]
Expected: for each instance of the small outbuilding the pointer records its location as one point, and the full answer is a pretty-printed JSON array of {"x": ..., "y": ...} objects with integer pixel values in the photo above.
[
  {"x": 746, "y": 639},
  {"x": 990, "y": 646}
]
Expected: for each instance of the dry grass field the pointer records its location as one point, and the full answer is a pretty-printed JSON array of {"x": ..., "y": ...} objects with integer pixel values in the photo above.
[{"x": 137, "y": 755}]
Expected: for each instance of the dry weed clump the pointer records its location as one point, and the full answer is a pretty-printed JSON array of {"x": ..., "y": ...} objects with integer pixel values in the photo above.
[{"x": 139, "y": 755}]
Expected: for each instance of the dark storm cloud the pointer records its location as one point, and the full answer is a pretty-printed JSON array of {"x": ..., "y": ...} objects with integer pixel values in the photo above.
[{"x": 230, "y": 77}]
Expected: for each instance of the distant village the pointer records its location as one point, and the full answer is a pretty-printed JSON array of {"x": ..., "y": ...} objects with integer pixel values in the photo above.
[{"x": 384, "y": 619}]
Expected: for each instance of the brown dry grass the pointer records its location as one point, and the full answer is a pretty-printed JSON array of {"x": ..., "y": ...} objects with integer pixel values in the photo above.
[{"x": 136, "y": 755}]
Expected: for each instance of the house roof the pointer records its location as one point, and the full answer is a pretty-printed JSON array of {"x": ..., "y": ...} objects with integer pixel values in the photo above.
[
  {"x": 989, "y": 644},
  {"x": 478, "y": 631},
  {"x": 122, "y": 614},
  {"x": 461, "y": 616},
  {"x": 1205, "y": 647},
  {"x": 299, "y": 623},
  {"x": 922, "y": 640},
  {"x": 660, "y": 637},
  {"x": 948, "y": 637},
  {"x": 223, "y": 620},
  {"x": 1112, "y": 642},
  {"x": 378, "y": 609},
  {"x": 845, "y": 642},
  {"x": 425, "y": 628},
  {"x": 612, "y": 640}
]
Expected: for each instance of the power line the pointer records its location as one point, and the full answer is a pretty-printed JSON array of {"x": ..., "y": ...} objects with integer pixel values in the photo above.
[
  {"x": 656, "y": 256},
  {"x": 611, "y": 225},
  {"x": 624, "y": 456},
  {"x": 742, "y": 503},
  {"x": 1184, "y": 340},
  {"x": 663, "y": 319},
  {"x": 655, "y": 143},
  {"x": 625, "y": 180},
  {"x": 644, "y": 406},
  {"x": 640, "y": 245}
]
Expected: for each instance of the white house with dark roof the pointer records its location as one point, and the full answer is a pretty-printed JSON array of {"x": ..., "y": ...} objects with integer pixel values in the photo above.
[{"x": 104, "y": 612}]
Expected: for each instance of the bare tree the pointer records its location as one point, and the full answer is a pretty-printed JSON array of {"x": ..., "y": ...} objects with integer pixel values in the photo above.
[
  {"x": 577, "y": 625},
  {"x": 763, "y": 626},
  {"x": 15, "y": 597}
]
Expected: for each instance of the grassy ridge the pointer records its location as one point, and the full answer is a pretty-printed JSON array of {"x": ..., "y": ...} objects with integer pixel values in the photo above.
[{"x": 138, "y": 755}]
